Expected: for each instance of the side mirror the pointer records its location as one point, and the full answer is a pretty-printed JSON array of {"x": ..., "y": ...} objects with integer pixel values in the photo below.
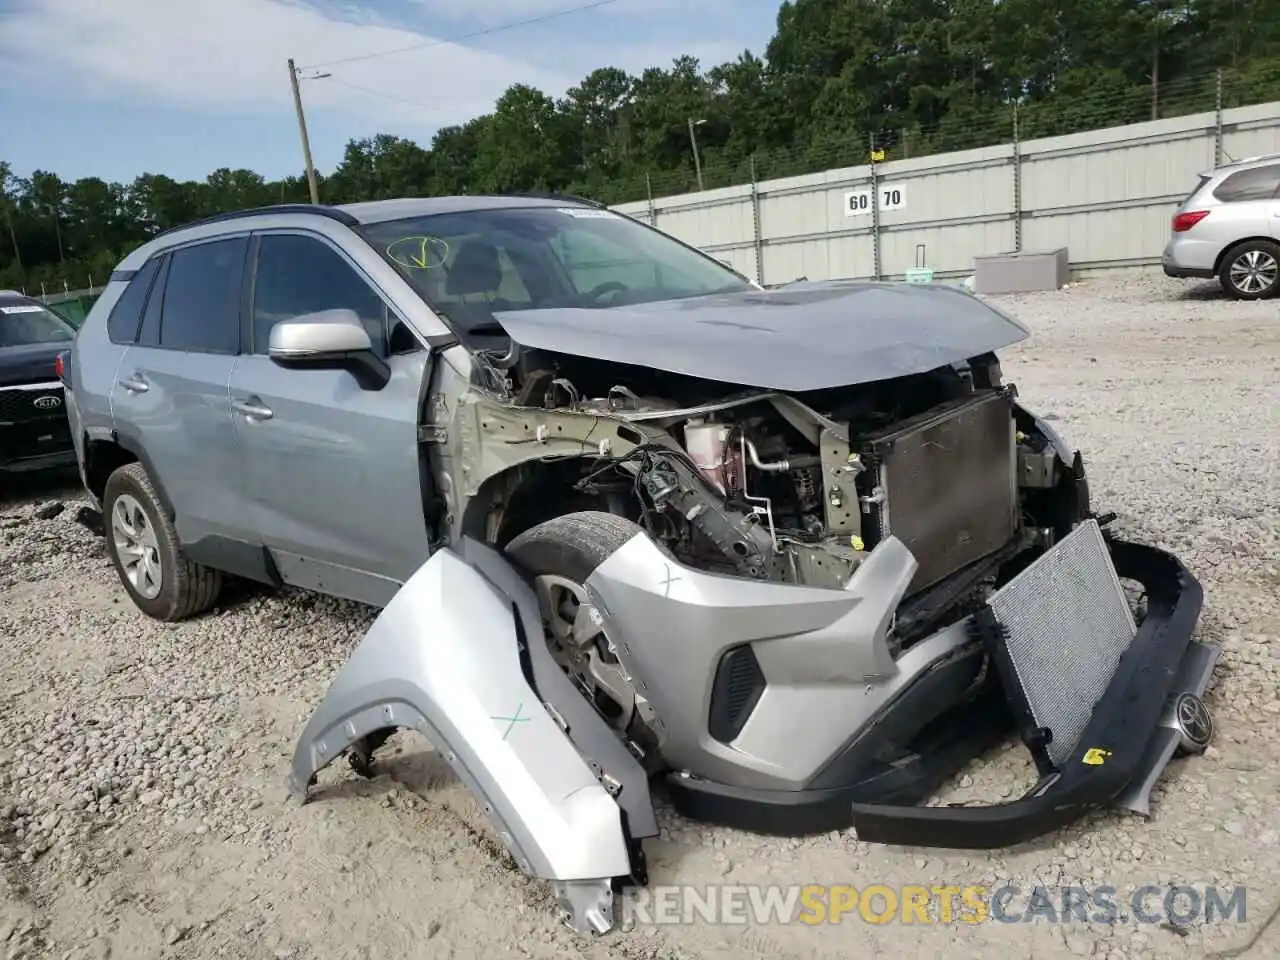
[{"x": 329, "y": 339}]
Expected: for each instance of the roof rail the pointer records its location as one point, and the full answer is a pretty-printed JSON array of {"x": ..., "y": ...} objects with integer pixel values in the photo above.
[{"x": 316, "y": 209}]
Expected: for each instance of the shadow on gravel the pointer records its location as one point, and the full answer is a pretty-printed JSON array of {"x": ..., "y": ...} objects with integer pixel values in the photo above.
[
  {"x": 17, "y": 488},
  {"x": 236, "y": 593},
  {"x": 1209, "y": 290},
  {"x": 406, "y": 761}
]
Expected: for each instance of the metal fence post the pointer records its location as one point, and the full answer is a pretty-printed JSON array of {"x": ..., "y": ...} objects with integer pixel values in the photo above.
[
  {"x": 875, "y": 207},
  {"x": 1217, "y": 125},
  {"x": 1017, "y": 184},
  {"x": 653, "y": 213},
  {"x": 755, "y": 223}
]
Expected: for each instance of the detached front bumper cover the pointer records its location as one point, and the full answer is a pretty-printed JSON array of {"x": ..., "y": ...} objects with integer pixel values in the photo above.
[{"x": 1126, "y": 743}]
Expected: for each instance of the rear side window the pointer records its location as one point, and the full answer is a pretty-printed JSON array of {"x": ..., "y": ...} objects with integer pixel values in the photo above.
[
  {"x": 201, "y": 307},
  {"x": 149, "y": 336},
  {"x": 126, "y": 315},
  {"x": 1260, "y": 183}
]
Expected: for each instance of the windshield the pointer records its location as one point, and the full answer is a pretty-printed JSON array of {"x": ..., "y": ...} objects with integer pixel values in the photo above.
[
  {"x": 470, "y": 265},
  {"x": 24, "y": 324}
]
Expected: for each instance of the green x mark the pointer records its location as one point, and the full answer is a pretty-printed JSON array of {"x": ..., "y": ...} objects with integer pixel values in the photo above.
[{"x": 512, "y": 721}]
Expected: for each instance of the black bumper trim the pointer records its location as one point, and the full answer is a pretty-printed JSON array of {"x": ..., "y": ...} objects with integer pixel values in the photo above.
[
  {"x": 1188, "y": 273},
  {"x": 798, "y": 813},
  {"x": 1114, "y": 743}
]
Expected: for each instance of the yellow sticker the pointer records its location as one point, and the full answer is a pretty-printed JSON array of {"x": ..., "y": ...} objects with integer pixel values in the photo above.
[
  {"x": 856, "y": 542},
  {"x": 1095, "y": 756}
]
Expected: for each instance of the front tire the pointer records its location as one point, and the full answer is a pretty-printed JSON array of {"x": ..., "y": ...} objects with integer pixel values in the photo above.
[
  {"x": 1251, "y": 270},
  {"x": 143, "y": 546},
  {"x": 559, "y": 556},
  {"x": 571, "y": 546}
]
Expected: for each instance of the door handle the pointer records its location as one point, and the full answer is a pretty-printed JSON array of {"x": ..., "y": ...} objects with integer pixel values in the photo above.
[
  {"x": 135, "y": 384},
  {"x": 251, "y": 410}
]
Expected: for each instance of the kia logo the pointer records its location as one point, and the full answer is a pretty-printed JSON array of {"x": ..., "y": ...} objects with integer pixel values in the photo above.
[{"x": 48, "y": 403}]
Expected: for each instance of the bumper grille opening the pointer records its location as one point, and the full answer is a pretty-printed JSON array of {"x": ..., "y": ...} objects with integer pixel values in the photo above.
[
  {"x": 736, "y": 690},
  {"x": 1062, "y": 625}
]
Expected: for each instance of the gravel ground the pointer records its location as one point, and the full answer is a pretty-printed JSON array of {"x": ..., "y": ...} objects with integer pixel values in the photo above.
[{"x": 142, "y": 806}]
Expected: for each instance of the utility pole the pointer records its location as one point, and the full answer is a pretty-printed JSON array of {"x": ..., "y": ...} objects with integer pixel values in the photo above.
[
  {"x": 693, "y": 141},
  {"x": 302, "y": 129}
]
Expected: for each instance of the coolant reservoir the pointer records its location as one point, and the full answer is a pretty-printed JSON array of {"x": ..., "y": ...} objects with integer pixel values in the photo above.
[{"x": 706, "y": 444}]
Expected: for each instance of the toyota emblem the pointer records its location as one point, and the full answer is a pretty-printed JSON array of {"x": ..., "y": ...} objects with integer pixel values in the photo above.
[
  {"x": 48, "y": 403},
  {"x": 1194, "y": 723}
]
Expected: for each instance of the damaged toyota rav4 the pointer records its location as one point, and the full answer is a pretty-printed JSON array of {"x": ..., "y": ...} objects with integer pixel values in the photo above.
[{"x": 792, "y": 556}]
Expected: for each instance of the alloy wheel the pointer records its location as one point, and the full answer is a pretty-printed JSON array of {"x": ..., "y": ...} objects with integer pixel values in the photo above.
[
  {"x": 1254, "y": 272},
  {"x": 137, "y": 546}
]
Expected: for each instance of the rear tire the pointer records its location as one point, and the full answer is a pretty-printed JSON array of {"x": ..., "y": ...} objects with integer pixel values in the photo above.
[
  {"x": 143, "y": 545},
  {"x": 1251, "y": 270}
]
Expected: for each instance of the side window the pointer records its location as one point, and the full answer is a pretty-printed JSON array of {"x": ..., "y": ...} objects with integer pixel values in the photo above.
[
  {"x": 298, "y": 275},
  {"x": 126, "y": 316},
  {"x": 200, "y": 309},
  {"x": 1260, "y": 183}
]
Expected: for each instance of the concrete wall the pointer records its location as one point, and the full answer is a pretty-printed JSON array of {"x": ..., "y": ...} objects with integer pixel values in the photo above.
[{"x": 1107, "y": 195}]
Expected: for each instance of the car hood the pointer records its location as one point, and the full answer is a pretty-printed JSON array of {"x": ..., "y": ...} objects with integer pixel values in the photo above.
[
  {"x": 29, "y": 363},
  {"x": 791, "y": 338}
]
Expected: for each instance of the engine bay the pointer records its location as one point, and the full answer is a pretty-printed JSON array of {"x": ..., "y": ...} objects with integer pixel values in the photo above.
[{"x": 798, "y": 488}]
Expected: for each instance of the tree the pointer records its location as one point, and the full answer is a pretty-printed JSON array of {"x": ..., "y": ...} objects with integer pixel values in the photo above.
[{"x": 910, "y": 76}]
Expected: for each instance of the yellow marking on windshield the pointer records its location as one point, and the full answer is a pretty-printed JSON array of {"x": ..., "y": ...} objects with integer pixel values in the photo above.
[{"x": 418, "y": 253}]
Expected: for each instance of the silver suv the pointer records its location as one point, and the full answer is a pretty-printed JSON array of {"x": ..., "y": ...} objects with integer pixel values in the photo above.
[
  {"x": 800, "y": 551},
  {"x": 1229, "y": 228}
]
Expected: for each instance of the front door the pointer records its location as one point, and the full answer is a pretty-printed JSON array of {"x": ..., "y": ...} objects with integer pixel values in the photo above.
[
  {"x": 170, "y": 398},
  {"x": 330, "y": 469}
]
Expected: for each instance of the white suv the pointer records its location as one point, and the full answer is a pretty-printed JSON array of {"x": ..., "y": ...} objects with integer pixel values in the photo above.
[{"x": 1229, "y": 228}]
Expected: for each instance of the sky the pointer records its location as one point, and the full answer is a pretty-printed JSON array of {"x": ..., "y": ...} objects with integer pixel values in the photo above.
[{"x": 115, "y": 88}]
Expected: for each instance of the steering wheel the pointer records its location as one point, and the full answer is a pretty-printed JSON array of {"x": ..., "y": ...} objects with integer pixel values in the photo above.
[{"x": 609, "y": 286}]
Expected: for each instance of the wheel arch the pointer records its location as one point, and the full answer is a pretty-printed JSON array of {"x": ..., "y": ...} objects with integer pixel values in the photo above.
[
  {"x": 1232, "y": 247},
  {"x": 102, "y": 458},
  {"x": 124, "y": 448},
  {"x": 522, "y": 496}
]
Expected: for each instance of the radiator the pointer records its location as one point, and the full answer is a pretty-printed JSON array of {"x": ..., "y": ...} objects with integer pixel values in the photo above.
[
  {"x": 945, "y": 484},
  {"x": 1066, "y": 622}
]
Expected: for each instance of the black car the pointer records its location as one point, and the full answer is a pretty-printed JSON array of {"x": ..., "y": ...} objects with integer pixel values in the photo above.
[{"x": 34, "y": 432}]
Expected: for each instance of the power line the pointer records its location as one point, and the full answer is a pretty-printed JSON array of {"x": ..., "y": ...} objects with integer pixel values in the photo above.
[
  {"x": 434, "y": 108},
  {"x": 468, "y": 36}
]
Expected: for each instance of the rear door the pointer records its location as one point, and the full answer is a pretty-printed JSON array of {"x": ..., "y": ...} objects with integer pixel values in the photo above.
[
  {"x": 170, "y": 398},
  {"x": 331, "y": 470}
]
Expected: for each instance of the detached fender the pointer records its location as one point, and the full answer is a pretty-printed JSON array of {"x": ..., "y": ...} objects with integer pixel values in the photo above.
[{"x": 445, "y": 658}]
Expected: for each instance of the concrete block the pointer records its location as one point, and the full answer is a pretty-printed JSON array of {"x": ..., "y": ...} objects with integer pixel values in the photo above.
[{"x": 1024, "y": 272}]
